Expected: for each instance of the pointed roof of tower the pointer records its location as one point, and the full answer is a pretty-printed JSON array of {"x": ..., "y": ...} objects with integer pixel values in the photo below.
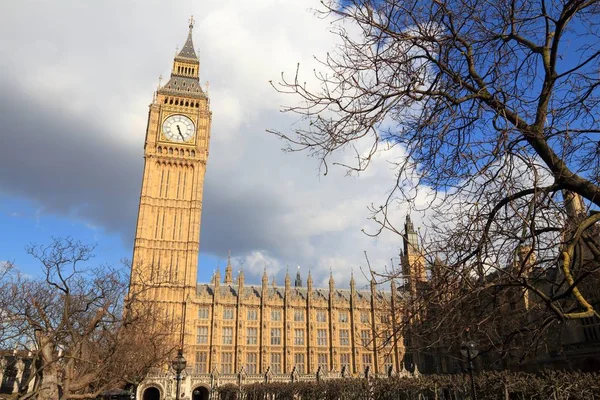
[
  {"x": 265, "y": 277},
  {"x": 228, "y": 270},
  {"x": 288, "y": 280},
  {"x": 187, "y": 50},
  {"x": 184, "y": 79},
  {"x": 409, "y": 224},
  {"x": 298, "y": 282}
]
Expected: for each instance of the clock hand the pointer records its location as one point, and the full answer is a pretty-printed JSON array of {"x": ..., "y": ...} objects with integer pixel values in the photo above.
[{"x": 180, "y": 134}]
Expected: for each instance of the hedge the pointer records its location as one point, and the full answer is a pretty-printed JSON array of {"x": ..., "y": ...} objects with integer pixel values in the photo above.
[{"x": 551, "y": 385}]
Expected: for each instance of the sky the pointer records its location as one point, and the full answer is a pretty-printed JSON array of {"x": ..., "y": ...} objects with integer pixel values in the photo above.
[{"x": 77, "y": 78}]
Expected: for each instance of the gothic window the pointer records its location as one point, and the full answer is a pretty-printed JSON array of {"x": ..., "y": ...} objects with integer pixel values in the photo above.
[
  {"x": 251, "y": 334},
  {"x": 367, "y": 360},
  {"x": 202, "y": 335},
  {"x": 228, "y": 313},
  {"x": 193, "y": 153},
  {"x": 322, "y": 361},
  {"x": 364, "y": 317},
  {"x": 170, "y": 101},
  {"x": 344, "y": 360},
  {"x": 365, "y": 337},
  {"x": 276, "y": 363},
  {"x": 227, "y": 335},
  {"x": 166, "y": 100},
  {"x": 276, "y": 315},
  {"x": 343, "y": 316},
  {"x": 197, "y": 105},
  {"x": 275, "y": 336},
  {"x": 187, "y": 103},
  {"x": 321, "y": 316},
  {"x": 321, "y": 337},
  {"x": 299, "y": 337},
  {"x": 299, "y": 362},
  {"x": 251, "y": 363},
  {"x": 226, "y": 367},
  {"x": 201, "y": 361},
  {"x": 252, "y": 315},
  {"x": 299, "y": 315},
  {"x": 344, "y": 337},
  {"x": 176, "y": 102},
  {"x": 387, "y": 362}
]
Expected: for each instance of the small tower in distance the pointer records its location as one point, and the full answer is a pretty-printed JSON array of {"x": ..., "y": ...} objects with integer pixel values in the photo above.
[{"x": 413, "y": 262}]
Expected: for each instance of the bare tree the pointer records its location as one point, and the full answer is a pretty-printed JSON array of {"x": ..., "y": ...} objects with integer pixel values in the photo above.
[
  {"x": 496, "y": 105},
  {"x": 85, "y": 331}
]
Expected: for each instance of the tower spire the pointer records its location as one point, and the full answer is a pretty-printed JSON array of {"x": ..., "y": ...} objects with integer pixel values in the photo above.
[
  {"x": 185, "y": 73},
  {"x": 228, "y": 271},
  {"x": 187, "y": 51},
  {"x": 298, "y": 282}
]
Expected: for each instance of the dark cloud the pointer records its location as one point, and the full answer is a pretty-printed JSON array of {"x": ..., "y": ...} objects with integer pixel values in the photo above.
[{"x": 61, "y": 162}]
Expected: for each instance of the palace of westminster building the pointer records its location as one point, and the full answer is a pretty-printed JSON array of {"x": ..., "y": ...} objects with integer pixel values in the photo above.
[{"x": 231, "y": 326}]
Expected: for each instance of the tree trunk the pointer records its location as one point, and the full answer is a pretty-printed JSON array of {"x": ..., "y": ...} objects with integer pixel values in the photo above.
[{"x": 49, "y": 372}]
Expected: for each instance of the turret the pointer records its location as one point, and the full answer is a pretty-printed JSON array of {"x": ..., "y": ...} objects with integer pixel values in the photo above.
[
  {"x": 228, "y": 271},
  {"x": 265, "y": 280},
  {"x": 298, "y": 281},
  {"x": 309, "y": 282},
  {"x": 288, "y": 280},
  {"x": 240, "y": 281},
  {"x": 413, "y": 262},
  {"x": 331, "y": 282},
  {"x": 217, "y": 277}
]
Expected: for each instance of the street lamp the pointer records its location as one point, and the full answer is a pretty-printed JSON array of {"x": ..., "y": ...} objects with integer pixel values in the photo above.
[
  {"x": 470, "y": 351},
  {"x": 178, "y": 365}
]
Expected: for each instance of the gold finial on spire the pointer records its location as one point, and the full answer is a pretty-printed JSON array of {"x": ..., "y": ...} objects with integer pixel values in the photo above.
[{"x": 191, "y": 21}]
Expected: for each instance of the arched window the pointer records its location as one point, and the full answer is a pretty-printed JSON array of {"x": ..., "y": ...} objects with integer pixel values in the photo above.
[
  {"x": 197, "y": 105},
  {"x": 170, "y": 151},
  {"x": 160, "y": 149},
  {"x": 170, "y": 101},
  {"x": 178, "y": 70},
  {"x": 193, "y": 153},
  {"x": 176, "y": 102},
  {"x": 187, "y": 153},
  {"x": 187, "y": 103},
  {"x": 166, "y": 99}
]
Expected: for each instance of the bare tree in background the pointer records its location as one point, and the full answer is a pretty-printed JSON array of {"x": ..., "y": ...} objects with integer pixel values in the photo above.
[
  {"x": 85, "y": 331},
  {"x": 495, "y": 105}
]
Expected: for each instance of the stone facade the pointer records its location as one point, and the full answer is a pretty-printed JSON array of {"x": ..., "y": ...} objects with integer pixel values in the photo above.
[{"x": 233, "y": 330}]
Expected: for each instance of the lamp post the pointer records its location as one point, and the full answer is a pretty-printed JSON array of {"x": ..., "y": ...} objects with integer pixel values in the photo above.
[
  {"x": 470, "y": 351},
  {"x": 178, "y": 365}
]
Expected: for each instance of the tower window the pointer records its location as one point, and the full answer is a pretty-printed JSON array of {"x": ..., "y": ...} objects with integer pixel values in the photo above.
[
  {"x": 187, "y": 103},
  {"x": 193, "y": 153},
  {"x": 176, "y": 102},
  {"x": 178, "y": 70},
  {"x": 170, "y": 151},
  {"x": 170, "y": 101},
  {"x": 196, "y": 105},
  {"x": 166, "y": 99}
]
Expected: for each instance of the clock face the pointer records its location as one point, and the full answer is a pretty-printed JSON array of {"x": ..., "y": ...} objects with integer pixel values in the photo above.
[{"x": 178, "y": 128}]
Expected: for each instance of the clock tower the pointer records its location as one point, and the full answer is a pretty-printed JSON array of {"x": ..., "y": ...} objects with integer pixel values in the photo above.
[{"x": 167, "y": 239}]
